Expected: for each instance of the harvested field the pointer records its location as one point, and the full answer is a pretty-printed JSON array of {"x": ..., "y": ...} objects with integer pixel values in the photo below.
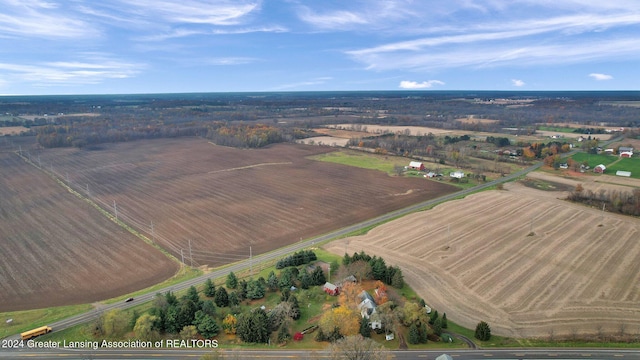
[
  {"x": 209, "y": 204},
  {"x": 58, "y": 250},
  {"x": 483, "y": 258}
]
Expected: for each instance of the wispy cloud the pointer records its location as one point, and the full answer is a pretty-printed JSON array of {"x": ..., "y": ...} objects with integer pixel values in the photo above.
[
  {"x": 517, "y": 82},
  {"x": 405, "y": 84},
  {"x": 40, "y": 19},
  {"x": 95, "y": 69},
  {"x": 600, "y": 77},
  {"x": 220, "y": 12},
  {"x": 230, "y": 61},
  {"x": 303, "y": 84}
]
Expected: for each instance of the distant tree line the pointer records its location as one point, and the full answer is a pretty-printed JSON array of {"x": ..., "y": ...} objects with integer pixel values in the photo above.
[{"x": 622, "y": 202}]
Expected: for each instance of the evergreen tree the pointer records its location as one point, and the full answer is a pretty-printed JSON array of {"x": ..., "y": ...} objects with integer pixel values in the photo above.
[
  {"x": 171, "y": 320},
  {"x": 433, "y": 317},
  {"x": 483, "y": 331},
  {"x": 209, "y": 288},
  {"x": 255, "y": 290},
  {"x": 346, "y": 259},
  {"x": 422, "y": 303},
  {"x": 208, "y": 307},
  {"x": 378, "y": 268},
  {"x": 444, "y": 321},
  {"x": 232, "y": 281},
  {"x": 242, "y": 289},
  {"x": 192, "y": 294},
  {"x": 318, "y": 277},
  {"x": 295, "y": 307},
  {"x": 437, "y": 326},
  {"x": 286, "y": 279},
  {"x": 233, "y": 299},
  {"x": 365, "y": 328},
  {"x": 398, "y": 280},
  {"x": 186, "y": 314},
  {"x": 305, "y": 279},
  {"x": 414, "y": 334},
  {"x": 272, "y": 282},
  {"x": 206, "y": 325},
  {"x": 424, "y": 335},
  {"x": 170, "y": 298},
  {"x": 253, "y": 327},
  {"x": 221, "y": 298}
]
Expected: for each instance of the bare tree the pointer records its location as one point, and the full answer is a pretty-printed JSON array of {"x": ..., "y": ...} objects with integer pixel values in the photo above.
[{"x": 357, "y": 347}]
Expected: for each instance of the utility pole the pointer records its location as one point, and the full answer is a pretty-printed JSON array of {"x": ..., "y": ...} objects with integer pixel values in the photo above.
[
  {"x": 250, "y": 262},
  {"x": 115, "y": 210},
  {"x": 182, "y": 255},
  {"x": 88, "y": 193},
  {"x": 67, "y": 176},
  {"x": 153, "y": 235},
  {"x": 190, "y": 253}
]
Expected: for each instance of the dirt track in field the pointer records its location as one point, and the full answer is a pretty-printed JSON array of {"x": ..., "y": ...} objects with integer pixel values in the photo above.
[
  {"x": 476, "y": 260},
  {"x": 58, "y": 250}
]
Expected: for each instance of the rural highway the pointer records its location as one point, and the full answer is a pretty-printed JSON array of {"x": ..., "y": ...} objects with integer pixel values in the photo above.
[{"x": 497, "y": 354}]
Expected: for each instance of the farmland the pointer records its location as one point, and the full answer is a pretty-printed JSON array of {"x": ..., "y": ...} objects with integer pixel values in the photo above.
[
  {"x": 58, "y": 250},
  {"x": 523, "y": 260},
  {"x": 212, "y": 205}
]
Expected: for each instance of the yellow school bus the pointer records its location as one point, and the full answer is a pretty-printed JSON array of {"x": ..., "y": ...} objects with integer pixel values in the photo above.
[{"x": 35, "y": 332}]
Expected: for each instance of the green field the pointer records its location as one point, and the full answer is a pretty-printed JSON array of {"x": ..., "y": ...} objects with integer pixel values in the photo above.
[
  {"x": 556, "y": 129},
  {"x": 626, "y": 164},
  {"x": 363, "y": 160},
  {"x": 593, "y": 159}
]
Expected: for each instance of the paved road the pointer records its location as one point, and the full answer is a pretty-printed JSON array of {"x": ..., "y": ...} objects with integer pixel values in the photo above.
[{"x": 524, "y": 354}]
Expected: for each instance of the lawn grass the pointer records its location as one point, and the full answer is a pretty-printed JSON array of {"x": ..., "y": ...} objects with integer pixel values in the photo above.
[
  {"x": 556, "y": 129},
  {"x": 384, "y": 163},
  {"x": 594, "y": 159},
  {"x": 626, "y": 164},
  {"x": 30, "y": 319}
]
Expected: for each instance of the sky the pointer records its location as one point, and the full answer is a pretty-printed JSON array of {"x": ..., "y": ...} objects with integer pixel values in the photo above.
[{"x": 177, "y": 46}]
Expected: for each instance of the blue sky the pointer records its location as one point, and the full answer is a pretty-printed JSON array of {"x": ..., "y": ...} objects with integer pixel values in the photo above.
[{"x": 166, "y": 46}]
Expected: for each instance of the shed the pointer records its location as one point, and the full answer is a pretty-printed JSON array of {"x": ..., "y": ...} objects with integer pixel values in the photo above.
[
  {"x": 599, "y": 168},
  {"x": 626, "y": 154},
  {"x": 622, "y": 149},
  {"x": 456, "y": 174},
  {"x": 623, "y": 173},
  {"x": 330, "y": 289},
  {"x": 416, "y": 165}
]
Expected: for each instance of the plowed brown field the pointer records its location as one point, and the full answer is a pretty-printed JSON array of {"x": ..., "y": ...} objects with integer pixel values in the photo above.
[
  {"x": 476, "y": 260},
  {"x": 55, "y": 249},
  {"x": 210, "y": 204}
]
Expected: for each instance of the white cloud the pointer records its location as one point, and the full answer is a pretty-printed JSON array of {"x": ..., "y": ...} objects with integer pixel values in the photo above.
[
  {"x": 303, "y": 84},
  {"x": 230, "y": 61},
  {"x": 405, "y": 84},
  {"x": 41, "y": 20},
  {"x": 95, "y": 69},
  {"x": 220, "y": 12},
  {"x": 517, "y": 82},
  {"x": 600, "y": 77}
]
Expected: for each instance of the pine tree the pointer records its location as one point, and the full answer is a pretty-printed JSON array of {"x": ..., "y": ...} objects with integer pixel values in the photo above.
[
  {"x": 222, "y": 298},
  {"x": 209, "y": 288},
  {"x": 206, "y": 325},
  {"x": 272, "y": 281},
  {"x": 283, "y": 333},
  {"x": 483, "y": 331},
  {"x": 397, "y": 281},
  {"x": 444, "y": 321},
  {"x": 365, "y": 328},
  {"x": 232, "y": 281},
  {"x": 414, "y": 334},
  {"x": 437, "y": 326},
  {"x": 433, "y": 317},
  {"x": 424, "y": 335}
]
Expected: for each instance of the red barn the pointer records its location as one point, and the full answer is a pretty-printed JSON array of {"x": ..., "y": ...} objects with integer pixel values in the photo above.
[
  {"x": 330, "y": 289},
  {"x": 416, "y": 165}
]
